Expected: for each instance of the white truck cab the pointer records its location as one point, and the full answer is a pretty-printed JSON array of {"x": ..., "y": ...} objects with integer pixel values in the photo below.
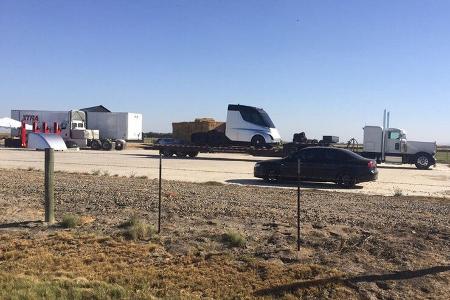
[
  {"x": 248, "y": 124},
  {"x": 391, "y": 145}
]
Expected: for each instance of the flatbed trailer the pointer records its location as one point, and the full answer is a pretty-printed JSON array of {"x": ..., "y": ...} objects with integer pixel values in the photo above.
[{"x": 193, "y": 150}]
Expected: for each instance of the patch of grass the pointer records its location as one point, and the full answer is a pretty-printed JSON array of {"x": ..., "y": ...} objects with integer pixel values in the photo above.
[
  {"x": 137, "y": 229},
  {"x": 96, "y": 172},
  {"x": 70, "y": 221},
  {"x": 398, "y": 193},
  {"x": 31, "y": 168},
  {"x": 234, "y": 239},
  {"x": 132, "y": 174},
  {"x": 28, "y": 287},
  {"x": 213, "y": 183},
  {"x": 105, "y": 173},
  {"x": 143, "y": 177}
]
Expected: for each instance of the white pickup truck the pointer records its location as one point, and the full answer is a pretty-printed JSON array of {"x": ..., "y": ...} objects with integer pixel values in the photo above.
[{"x": 391, "y": 145}]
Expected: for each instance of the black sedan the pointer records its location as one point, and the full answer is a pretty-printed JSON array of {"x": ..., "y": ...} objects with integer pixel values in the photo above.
[{"x": 325, "y": 164}]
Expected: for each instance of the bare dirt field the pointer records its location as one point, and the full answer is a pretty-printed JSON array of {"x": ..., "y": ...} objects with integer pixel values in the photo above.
[
  {"x": 226, "y": 168},
  {"x": 353, "y": 246}
]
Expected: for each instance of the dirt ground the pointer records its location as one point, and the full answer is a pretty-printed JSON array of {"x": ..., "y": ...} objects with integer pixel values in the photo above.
[{"x": 353, "y": 246}]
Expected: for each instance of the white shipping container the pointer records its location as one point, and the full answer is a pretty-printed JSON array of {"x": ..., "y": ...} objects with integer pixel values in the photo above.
[
  {"x": 116, "y": 125},
  {"x": 40, "y": 116}
]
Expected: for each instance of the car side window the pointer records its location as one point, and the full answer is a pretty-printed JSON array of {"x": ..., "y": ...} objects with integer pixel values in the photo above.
[{"x": 308, "y": 155}]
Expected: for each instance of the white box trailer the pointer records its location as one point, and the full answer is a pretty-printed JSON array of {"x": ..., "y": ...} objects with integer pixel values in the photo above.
[{"x": 116, "y": 125}]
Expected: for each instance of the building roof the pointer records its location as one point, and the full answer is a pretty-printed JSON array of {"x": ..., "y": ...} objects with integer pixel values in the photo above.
[{"x": 98, "y": 108}]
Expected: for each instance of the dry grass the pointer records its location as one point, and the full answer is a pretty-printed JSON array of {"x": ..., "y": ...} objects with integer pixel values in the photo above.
[
  {"x": 234, "y": 239},
  {"x": 70, "y": 266},
  {"x": 70, "y": 221},
  {"x": 137, "y": 229}
]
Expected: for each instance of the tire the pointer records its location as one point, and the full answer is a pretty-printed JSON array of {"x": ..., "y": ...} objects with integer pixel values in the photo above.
[
  {"x": 120, "y": 145},
  {"x": 181, "y": 154},
  {"x": 271, "y": 176},
  {"x": 71, "y": 144},
  {"x": 166, "y": 153},
  {"x": 106, "y": 145},
  {"x": 423, "y": 161},
  {"x": 96, "y": 145},
  {"x": 193, "y": 154},
  {"x": 258, "y": 141},
  {"x": 346, "y": 181}
]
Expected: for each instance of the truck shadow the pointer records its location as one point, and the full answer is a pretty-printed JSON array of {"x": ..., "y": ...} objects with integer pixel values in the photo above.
[
  {"x": 155, "y": 156},
  {"x": 350, "y": 281},
  {"x": 290, "y": 184}
]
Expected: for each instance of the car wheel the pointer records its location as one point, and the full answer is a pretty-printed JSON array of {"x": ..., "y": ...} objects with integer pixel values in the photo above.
[
  {"x": 271, "y": 175},
  {"x": 423, "y": 161},
  {"x": 347, "y": 181},
  {"x": 258, "y": 141}
]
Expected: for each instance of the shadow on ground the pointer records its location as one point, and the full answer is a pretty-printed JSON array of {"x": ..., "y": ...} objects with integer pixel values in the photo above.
[
  {"x": 290, "y": 184},
  {"x": 349, "y": 281}
]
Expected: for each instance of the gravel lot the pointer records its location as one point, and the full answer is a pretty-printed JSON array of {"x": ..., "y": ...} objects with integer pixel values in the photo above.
[
  {"x": 367, "y": 239},
  {"x": 227, "y": 168}
]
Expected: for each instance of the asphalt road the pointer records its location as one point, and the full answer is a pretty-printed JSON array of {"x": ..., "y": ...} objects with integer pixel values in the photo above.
[{"x": 228, "y": 168}]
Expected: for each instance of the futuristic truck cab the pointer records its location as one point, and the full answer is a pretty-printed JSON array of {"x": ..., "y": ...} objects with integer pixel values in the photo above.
[{"x": 250, "y": 125}]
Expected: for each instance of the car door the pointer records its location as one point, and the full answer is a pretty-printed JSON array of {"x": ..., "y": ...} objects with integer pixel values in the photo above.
[
  {"x": 327, "y": 164},
  {"x": 289, "y": 165}
]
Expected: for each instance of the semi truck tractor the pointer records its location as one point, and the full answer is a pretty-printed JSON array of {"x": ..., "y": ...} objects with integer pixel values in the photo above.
[
  {"x": 71, "y": 126},
  {"x": 390, "y": 145}
]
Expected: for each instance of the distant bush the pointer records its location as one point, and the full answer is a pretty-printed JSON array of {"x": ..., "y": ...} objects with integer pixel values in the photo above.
[
  {"x": 398, "y": 193},
  {"x": 105, "y": 173},
  {"x": 137, "y": 229},
  {"x": 70, "y": 221},
  {"x": 96, "y": 172},
  {"x": 233, "y": 239}
]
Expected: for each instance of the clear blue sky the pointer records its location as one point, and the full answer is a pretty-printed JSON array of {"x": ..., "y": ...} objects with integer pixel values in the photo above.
[{"x": 324, "y": 67}]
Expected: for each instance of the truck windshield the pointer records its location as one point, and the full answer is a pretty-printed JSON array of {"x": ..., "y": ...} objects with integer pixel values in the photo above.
[{"x": 266, "y": 118}]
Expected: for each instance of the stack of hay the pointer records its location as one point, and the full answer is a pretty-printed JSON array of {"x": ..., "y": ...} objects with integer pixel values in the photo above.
[{"x": 184, "y": 130}]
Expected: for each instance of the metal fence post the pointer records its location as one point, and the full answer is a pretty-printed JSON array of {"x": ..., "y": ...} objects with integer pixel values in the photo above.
[
  {"x": 160, "y": 187},
  {"x": 49, "y": 186},
  {"x": 298, "y": 204}
]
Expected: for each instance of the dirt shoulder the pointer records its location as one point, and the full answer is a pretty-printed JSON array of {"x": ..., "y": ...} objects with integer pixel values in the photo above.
[{"x": 353, "y": 245}]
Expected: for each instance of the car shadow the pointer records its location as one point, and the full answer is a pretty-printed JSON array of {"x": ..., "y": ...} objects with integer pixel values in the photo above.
[
  {"x": 155, "y": 156},
  {"x": 290, "y": 184},
  {"x": 280, "y": 290}
]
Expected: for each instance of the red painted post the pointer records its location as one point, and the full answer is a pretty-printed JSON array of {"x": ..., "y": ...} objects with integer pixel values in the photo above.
[{"x": 23, "y": 135}]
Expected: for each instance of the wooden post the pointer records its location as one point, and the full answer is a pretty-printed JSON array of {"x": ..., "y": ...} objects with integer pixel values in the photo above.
[
  {"x": 49, "y": 187},
  {"x": 160, "y": 187},
  {"x": 298, "y": 204}
]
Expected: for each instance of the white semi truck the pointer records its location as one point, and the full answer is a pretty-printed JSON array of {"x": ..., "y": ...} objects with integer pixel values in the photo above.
[
  {"x": 390, "y": 145},
  {"x": 72, "y": 126}
]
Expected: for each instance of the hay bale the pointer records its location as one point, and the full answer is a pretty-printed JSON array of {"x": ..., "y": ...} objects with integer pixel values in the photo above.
[{"x": 184, "y": 130}]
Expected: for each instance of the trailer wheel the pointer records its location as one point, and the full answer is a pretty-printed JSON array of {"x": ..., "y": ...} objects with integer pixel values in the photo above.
[
  {"x": 193, "y": 154},
  {"x": 423, "y": 161},
  {"x": 258, "y": 141},
  {"x": 106, "y": 145},
  {"x": 96, "y": 145},
  {"x": 166, "y": 153},
  {"x": 181, "y": 154}
]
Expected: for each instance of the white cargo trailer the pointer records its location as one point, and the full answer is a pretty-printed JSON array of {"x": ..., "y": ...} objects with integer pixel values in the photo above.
[{"x": 116, "y": 125}]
